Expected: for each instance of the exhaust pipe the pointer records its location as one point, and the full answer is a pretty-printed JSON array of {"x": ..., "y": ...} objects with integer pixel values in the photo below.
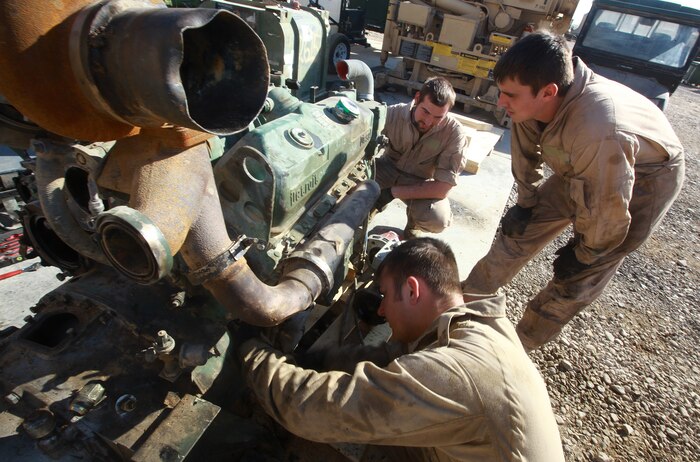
[
  {"x": 307, "y": 274},
  {"x": 118, "y": 65}
]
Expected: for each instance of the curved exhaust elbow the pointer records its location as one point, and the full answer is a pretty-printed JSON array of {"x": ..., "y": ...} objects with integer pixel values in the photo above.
[
  {"x": 307, "y": 274},
  {"x": 358, "y": 72},
  {"x": 251, "y": 300}
]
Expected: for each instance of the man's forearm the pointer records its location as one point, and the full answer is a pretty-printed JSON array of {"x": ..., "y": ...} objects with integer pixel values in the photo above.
[{"x": 429, "y": 189}]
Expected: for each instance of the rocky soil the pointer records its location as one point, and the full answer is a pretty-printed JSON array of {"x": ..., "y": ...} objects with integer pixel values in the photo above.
[{"x": 624, "y": 375}]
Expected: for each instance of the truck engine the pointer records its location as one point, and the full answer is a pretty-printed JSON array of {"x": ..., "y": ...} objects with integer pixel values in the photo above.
[{"x": 177, "y": 191}]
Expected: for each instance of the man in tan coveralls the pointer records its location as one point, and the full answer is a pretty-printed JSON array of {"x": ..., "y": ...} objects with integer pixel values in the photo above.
[
  {"x": 425, "y": 155},
  {"x": 465, "y": 391},
  {"x": 617, "y": 168}
]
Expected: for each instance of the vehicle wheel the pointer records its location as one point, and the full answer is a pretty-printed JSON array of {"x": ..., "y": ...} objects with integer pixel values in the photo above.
[
  {"x": 379, "y": 74},
  {"x": 338, "y": 50}
]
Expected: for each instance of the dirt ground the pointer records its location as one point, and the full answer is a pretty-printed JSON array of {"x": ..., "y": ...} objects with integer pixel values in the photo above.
[{"x": 623, "y": 376}]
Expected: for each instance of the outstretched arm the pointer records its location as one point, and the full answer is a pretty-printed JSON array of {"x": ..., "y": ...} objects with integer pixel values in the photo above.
[
  {"x": 602, "y": 188},
  {"x": 401, "y": 404}
]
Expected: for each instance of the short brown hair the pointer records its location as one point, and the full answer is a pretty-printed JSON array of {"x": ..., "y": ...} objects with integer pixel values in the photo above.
[
  {"x": 428, "y": 258},
  {"x": 439, "y": 90},
  {"x": 537, "y": 60}
]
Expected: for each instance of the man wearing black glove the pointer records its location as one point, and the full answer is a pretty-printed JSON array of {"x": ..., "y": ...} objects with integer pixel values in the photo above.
[
  {"x": 515, "y": 220},
  {"x": 423, "y": 158},
  {"x": 617, "y": 166},
  {"x": 566, "y": 265}
]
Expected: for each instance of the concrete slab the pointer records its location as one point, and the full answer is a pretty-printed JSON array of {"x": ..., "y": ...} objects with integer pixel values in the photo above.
[{"x": 21, "y": 292}]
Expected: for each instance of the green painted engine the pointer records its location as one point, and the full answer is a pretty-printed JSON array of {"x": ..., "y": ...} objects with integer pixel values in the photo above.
[
  {"x": 174, "y": 205},
  {"x": 279, "y": 180}
]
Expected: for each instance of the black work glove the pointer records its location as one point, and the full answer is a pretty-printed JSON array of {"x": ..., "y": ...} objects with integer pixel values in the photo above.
[
  {"x": 566, "y": 264},
  {"x": 385, "y": 198},
  {"x": 241, "y": 332},
  {"x": 366, "y": 303},
  {"x": 515, "y": 221}
]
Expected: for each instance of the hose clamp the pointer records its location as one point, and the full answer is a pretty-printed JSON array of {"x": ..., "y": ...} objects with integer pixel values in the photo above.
[
  {"x": 216, "y": 265},
  {"x": 323, "y": 270}
]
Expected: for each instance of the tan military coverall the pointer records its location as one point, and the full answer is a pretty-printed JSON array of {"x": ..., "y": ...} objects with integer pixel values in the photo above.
[
  {"x": 440, "y": 154},
  {"x": 618, "y": 166},
  {"x": 466, "y": 392}
]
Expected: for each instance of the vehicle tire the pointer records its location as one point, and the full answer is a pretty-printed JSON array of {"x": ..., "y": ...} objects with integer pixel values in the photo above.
[
  {"x": 379, "y": 74},
  {"x": 338, "y": 50}
]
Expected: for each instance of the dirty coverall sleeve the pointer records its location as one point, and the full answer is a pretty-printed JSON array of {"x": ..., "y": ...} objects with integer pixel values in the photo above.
[
  {"x": 402, "y": 404},
  {"x": 526, "y": 163},
  {"x": 453, "y": 158},
  {"x": 601, "y": 188},
  {"x": 392, "y": 114}
]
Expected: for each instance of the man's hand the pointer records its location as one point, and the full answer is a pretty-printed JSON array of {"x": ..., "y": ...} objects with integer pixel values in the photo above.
[
  {"x": 385, "y": 198},
  {"x": 366, "y": 303},
  {"x": 566, "y": 264},
  {"x": 515, "y": 221},
  {"x": 241, "y": 332}
]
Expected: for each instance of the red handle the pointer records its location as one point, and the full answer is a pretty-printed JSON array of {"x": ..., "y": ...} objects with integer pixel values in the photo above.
[{"x": 9, "y": 274}]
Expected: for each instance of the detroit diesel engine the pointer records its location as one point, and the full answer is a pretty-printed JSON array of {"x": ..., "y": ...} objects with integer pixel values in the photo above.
[{"x": 177, "y": 191}]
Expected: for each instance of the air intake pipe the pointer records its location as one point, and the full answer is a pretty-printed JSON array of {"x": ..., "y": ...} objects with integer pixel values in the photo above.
[{"x": 360, "y": 74}]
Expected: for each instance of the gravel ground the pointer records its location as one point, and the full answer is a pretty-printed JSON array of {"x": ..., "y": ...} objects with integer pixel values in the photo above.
[{"x": 623, "y": 376}]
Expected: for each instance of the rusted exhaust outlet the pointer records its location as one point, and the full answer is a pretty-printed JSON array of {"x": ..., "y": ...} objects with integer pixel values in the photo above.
[
  {"x": 117, "y": 65},
  {"x": 167, "y": 187},
  {"x": 198, "y": 68},
  {"x": 134, "y": 244}
]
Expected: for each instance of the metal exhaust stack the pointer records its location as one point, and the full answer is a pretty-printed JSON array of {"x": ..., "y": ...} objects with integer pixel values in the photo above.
[{"x": 102, "y": 70}]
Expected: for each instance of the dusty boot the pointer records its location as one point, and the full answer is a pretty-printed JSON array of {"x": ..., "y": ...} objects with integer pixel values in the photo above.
[{"x": 535, "y": 330}]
